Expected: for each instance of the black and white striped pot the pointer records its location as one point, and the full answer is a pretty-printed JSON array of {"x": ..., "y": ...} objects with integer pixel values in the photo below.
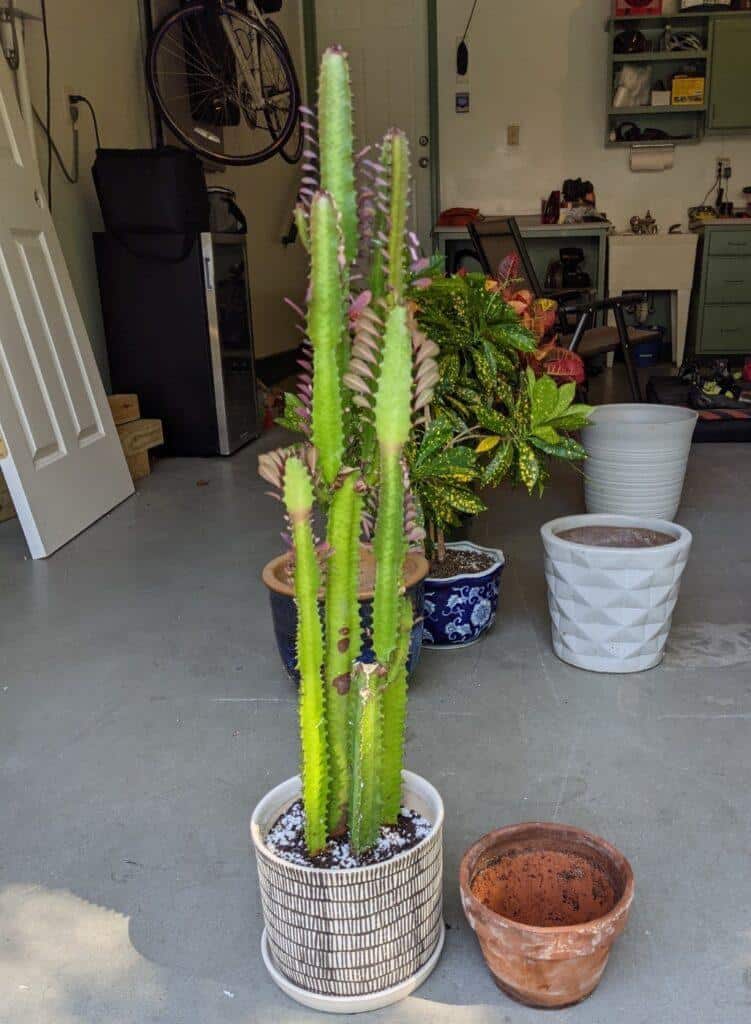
[{"x": 355, "y": 939}]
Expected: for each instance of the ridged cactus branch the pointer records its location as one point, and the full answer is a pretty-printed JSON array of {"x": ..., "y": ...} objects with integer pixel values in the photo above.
[
  {"x": 395, "y": 715},
  {"x": 298, "y": 499},
  {"x": 398, "y": 209},
  {"x": 392, "y": 420},
  {"x": 336, "y": 141},
  {"x": 366, "y": 800},
  {"x": 342, "y": 618},
  {"x": 325, "y": 329}
]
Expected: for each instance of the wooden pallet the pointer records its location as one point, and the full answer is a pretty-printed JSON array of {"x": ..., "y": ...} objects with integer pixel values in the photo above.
[
  {"x": 137, "y": 436},
  {"x": 7, "y": 508}
]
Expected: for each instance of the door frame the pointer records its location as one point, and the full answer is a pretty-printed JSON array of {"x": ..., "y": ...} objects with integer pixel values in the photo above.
[{"x": 310, "y": 43}]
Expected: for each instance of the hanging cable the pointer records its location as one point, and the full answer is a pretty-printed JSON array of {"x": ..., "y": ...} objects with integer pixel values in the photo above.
[
  {"x": 48, "y": 103},
  {"x": 462, "y": 50},
  {"x": 70, "y": 176},
  {"x": 83, "y": 99},
  {"x": 469, "y": 20}
]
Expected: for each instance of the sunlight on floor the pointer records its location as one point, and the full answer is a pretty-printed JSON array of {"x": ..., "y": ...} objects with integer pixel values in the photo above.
[{"x": 62, "y": 959}]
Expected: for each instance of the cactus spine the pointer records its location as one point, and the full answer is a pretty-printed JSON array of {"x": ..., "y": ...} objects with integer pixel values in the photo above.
[{"x": 359, "y": 408}]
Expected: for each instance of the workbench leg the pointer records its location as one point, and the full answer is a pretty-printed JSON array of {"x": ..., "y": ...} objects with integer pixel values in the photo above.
[{"x": 679, "y": 307}]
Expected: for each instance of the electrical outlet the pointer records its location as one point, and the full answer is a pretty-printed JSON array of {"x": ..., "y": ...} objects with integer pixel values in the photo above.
[
  {"x": 512, "y": 134},
  {"x": 72, "y": 108}
]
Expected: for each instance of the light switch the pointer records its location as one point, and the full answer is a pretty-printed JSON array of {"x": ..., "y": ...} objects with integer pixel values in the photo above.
[{"x": 512, "y": 134}]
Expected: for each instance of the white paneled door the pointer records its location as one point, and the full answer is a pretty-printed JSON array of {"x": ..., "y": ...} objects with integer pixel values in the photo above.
[
  {"x": 64, "y": 465},
  {"x": 387, "y": 43}
]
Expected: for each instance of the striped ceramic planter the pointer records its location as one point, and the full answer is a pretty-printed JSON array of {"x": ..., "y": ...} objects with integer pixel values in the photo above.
[{"x": 359, "y": 938}]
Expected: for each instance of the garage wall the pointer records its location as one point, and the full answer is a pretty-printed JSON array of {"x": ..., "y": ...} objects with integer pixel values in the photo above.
[
  {"x": 266, "y": 193},
  {"x": 96, "y": 50},
  {"x": 542, "y": 64}
]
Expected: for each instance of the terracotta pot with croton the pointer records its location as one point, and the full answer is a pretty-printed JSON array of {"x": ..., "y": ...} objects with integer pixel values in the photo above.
[{"x": 278, "y": 577}]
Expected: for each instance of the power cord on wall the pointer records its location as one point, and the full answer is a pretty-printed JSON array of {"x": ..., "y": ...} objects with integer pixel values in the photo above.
[
  {"x": 71, "y": 176},
  {"x": 48, "y": 103}
]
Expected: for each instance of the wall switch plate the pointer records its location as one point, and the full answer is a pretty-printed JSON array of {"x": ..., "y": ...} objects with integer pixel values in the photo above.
[
  {"x": 462, "y": 103},
  {"x": 512, "y": 134}
]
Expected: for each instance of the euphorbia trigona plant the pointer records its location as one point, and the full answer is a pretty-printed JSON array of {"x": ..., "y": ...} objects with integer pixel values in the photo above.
[{"x": 368, "y": 376}]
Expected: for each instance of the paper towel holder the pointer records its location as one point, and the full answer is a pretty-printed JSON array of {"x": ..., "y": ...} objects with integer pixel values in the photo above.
[{"x": 648, "y": 156}]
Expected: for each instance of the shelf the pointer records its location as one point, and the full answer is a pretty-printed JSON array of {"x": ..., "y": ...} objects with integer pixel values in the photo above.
[
  {"x": 668, "y": 19},
  {"x": 614, "y": 143},
  {"x": 673, "y": 109},
  {"x": 658, "y": 56}
]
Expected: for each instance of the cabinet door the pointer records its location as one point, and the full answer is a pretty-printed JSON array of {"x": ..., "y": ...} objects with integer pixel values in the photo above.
[{"x": 730, "y": 105}]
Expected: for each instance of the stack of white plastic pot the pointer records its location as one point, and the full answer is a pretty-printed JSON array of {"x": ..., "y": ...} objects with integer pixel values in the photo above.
[
  {"x": 636, "y": 459},
  {"x": 611, "y": 606}
]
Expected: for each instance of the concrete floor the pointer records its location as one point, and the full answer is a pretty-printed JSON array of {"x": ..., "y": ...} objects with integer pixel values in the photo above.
[{"x": 143, "y": 711}]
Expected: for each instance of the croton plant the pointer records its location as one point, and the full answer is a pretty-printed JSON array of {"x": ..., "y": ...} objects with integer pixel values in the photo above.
[{"x": 504, "y": 404}]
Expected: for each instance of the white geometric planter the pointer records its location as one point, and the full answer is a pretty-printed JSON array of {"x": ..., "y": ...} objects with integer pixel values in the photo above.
[
  {"x": 355, "y": 939},
  {"x": 637, "y": 455},
  {"x": 611, "y": 608}
]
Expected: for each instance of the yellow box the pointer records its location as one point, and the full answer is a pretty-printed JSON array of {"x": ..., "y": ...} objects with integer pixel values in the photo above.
[{"x": 687, "y": 91}]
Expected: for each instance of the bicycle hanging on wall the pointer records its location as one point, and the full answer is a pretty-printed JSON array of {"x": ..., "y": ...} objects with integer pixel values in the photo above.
[{"x": 223, "y": 80}]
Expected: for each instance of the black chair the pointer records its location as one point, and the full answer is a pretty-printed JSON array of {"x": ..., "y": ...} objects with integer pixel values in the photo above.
[{"x": 494, "y": 238}]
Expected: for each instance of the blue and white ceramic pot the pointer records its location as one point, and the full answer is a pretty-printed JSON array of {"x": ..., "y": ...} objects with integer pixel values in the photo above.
[
  {"x": 459, "y": 609},
  {"x": 278, "y": 579}
]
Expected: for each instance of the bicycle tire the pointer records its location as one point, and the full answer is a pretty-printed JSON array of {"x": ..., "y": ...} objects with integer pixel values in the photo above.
[
  {"x": 291, "y": 151},
  {"x": 281, "y": 54}
]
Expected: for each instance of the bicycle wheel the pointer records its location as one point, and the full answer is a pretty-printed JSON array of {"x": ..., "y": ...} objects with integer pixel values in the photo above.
[
  {"x": 222, "y": 83},
  {"x": 291, "y": 151}
]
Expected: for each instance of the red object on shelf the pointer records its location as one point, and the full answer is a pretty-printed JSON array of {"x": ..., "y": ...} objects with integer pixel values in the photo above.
[{"x": 637, "y": 7}]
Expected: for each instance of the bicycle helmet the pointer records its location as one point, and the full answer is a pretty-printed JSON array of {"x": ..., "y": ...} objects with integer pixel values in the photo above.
[
  {"x": 630, "y": 41},
  {"x": 680, "y": 40}
]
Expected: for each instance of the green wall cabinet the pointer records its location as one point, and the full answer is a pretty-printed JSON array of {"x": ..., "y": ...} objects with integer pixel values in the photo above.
[
  {"x": 730, "y": 90},
  {"x": 720, "y": 318},
  {"x": 723, "y": 60}
]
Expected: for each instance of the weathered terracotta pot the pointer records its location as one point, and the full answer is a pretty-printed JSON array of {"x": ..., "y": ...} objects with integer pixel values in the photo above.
[{"x": 548, "y": 903}]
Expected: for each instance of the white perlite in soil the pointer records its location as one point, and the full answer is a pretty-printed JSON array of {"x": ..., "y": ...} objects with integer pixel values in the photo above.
[{"x": 287, "y": 840}]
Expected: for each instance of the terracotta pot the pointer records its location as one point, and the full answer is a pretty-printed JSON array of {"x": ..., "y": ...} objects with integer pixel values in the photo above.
[
  {"x": 277, "y": 577},
  {"x": 549, "y": 902}
]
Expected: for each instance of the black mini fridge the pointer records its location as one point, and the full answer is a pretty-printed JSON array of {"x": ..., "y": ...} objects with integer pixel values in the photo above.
[{"x": 179, "y": 333}]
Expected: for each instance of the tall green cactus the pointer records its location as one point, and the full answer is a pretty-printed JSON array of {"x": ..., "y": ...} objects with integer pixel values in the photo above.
[
  {"x": 358, "y": 419},
  {"x": 337, "y": 163},
  {"x": 298, "y": 498},
  {"x": 392, "y": 422},
  {"x": 325, "y": 329},
  {"x": 343, "y": 628}
]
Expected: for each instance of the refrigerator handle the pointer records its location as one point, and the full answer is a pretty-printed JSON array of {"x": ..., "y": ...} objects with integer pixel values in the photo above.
[{"x": 208, "y": 263}]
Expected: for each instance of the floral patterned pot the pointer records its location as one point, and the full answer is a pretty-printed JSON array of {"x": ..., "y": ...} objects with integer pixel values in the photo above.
[
  {"x": 276, "y": 576},
  {"x": 459, "y": 609}
]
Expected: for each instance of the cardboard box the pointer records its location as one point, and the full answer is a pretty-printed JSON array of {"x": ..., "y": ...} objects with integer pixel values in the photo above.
[
  {"x": 637, "y": 7},
  {"x": 661, "y": 98},
  {"x": 687, "y": 91}
]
